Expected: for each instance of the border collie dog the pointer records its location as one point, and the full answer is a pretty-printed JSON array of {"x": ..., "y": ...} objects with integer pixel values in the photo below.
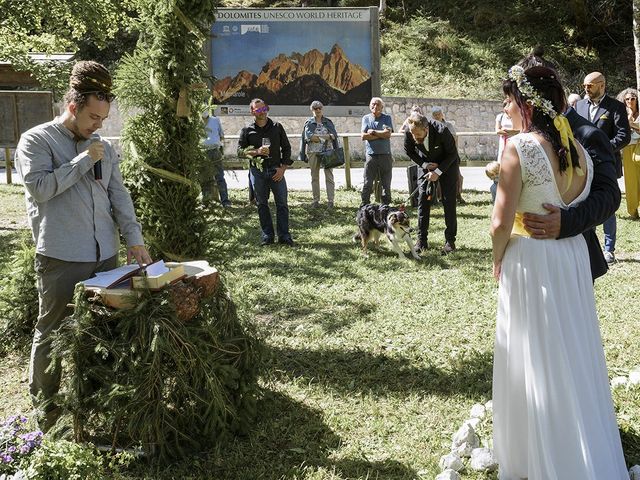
[{"x": 375, "y": 220}]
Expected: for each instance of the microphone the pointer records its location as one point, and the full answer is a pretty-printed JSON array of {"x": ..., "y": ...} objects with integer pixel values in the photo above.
[
  {"x": 97, "y": 167},
  {"x": 97, "y": 170}
]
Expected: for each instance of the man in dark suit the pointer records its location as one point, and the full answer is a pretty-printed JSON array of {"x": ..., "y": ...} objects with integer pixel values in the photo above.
[
  {"x": 604, "y": 196},
  {"x": 610, "y": 116},
  {"x": 431, "y": 145},
  {"x": 602, "y": 202}
]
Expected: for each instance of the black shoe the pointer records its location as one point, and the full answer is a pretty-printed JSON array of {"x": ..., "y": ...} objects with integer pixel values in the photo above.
[
  {"x": 448, "y": 248},
  {"x": 266, "y": 241},
  {"x": 287, "y": 241},
  {"x": 422, "y": 247}
]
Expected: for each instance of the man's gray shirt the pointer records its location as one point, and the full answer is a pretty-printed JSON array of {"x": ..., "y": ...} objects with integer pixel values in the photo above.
[{"x": 73, "y": 217}]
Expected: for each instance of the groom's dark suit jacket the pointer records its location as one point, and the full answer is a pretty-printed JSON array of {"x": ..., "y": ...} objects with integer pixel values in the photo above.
[
  {"x": 604, "y": 198},
  {"x": 611, "y": 118}
]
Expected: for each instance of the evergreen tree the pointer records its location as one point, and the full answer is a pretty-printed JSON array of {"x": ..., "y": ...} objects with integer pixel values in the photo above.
[{"x": 164, "y": 81}]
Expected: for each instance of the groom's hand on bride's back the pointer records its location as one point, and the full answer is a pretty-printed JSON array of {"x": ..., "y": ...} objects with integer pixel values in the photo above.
[{"x": 543, "y": 226}]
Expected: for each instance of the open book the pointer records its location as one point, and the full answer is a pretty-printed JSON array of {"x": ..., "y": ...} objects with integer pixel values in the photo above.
[{"x": 119, "y": 277}]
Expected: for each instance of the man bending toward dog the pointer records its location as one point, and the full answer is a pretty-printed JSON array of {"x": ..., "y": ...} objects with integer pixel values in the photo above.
[{"x": 431, "y": 145}]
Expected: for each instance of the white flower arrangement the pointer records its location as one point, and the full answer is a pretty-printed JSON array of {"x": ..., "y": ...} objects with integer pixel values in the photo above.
[{"x": 516, "y": 73}]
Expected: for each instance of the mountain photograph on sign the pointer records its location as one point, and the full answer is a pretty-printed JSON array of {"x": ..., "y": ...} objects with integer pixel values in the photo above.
[{"x": 299, "y": 79}]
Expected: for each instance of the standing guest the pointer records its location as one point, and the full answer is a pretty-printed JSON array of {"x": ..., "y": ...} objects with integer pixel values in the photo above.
[
  {"x": 629, "y": 96},
  {"x": 430, "y": 144},
  {"x": 318, "y": 135},
  {"x": 405, "y": 124},
  {"x": 609, "y": 115},
  {"x": 76, "y": 204},
  {"x": 553, "y": 415},
  {"x": 604, "y": 194},
  {"x": 376, "y": 133},
  {"x": 266, "y": 142},
  {"x": 504, "y": 129},
  {"x": 572, "y": 99},
  {"x": 438, "y": 114},
  {"x": 214, "y": 169},
  {"x": 492, "y": 170}
]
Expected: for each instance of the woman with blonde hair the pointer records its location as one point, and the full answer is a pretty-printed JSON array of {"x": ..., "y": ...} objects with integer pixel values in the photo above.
[{"x": 629, "y": 96}]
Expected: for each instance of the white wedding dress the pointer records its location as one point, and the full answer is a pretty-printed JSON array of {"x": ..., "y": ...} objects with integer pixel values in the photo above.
[{"x": 553, "y": 416}]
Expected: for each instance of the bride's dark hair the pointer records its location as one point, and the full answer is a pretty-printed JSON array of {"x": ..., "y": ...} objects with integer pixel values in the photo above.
[{"x": 545, "y": 82}]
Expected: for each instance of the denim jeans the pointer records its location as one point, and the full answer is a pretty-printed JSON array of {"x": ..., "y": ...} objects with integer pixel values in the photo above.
[
  {"x": 263, "y": 185},
  {"x": 213, "y": 171},
  {"x": 610, "y": 226},
  {"x": 222, "y": 186}
]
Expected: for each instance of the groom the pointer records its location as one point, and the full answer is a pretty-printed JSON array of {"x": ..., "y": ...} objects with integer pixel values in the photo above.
[{"x": 603, "y": 199}]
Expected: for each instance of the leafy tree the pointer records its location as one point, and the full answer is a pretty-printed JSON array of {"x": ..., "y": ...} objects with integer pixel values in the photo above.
[{"x": 54, "y": 26}]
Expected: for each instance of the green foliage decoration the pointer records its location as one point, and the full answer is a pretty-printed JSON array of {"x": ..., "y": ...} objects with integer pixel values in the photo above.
[
  {"x": 65, "y": 460},
  {"x": 19, "y": 299},
  {"x": 163, "y": 80},
  {"x": 145, "y": 376}
]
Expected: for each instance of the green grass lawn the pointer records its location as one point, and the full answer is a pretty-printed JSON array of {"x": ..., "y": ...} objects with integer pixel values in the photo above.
[{"x": 372, "y": 363}]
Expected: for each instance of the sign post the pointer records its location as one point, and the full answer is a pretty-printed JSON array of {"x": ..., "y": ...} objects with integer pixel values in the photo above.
[
  {"x": 19, "y": 111},
  {"x": 290, "y": 57}
]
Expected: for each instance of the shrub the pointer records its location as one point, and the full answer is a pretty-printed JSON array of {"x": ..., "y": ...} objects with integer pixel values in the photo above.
[
  {"x": 19, "y": 300},
  {"x": 64, "y": 460}
]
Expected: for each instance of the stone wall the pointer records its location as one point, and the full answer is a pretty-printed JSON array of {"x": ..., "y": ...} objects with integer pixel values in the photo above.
[{"x": 467, "y": 115}]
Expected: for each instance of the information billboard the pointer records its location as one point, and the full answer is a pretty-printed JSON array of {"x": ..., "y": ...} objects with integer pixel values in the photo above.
[
  {"x": 21, "y": 110},
  {"x": 292, "y": 56}
]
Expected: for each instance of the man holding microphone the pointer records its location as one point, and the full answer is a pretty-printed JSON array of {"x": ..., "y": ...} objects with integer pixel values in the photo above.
[{"x": 76, "y": 203}]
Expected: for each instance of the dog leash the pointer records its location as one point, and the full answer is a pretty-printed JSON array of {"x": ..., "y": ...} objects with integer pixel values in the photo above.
[{"x": 429, "y": 195}]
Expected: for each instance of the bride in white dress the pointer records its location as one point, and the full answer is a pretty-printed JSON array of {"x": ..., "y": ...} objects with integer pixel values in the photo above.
[{"x": 553, "y": 415}]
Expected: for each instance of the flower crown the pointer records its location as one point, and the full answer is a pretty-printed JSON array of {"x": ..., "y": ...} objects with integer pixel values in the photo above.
[{"x": 516, "y": 73}]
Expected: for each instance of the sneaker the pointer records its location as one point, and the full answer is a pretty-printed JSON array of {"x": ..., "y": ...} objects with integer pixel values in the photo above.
[
  {"x": 226, "y": 204},
  {"x": 315, "y": 204},
  {"x": 609, "y": 257},
  {"x": 448, "y": 248},
  {"x": 329, "y": 204},
  {"x": 266, "y": 241}
]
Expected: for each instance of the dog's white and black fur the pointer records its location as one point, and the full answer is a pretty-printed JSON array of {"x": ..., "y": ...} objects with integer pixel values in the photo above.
[{"x": 374, "y": 220}]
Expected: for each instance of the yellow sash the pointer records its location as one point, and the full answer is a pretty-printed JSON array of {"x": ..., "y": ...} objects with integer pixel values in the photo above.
[
  {"x": 518, "y": 226},
  {"x": 566, "y": 137}
]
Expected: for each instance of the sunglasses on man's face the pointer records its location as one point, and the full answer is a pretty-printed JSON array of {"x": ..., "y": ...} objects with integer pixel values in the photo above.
[
  {"x": 261, "y": 109},
  {"x": 317, "y": 108},
  {"x": 102, "y": 96}
]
